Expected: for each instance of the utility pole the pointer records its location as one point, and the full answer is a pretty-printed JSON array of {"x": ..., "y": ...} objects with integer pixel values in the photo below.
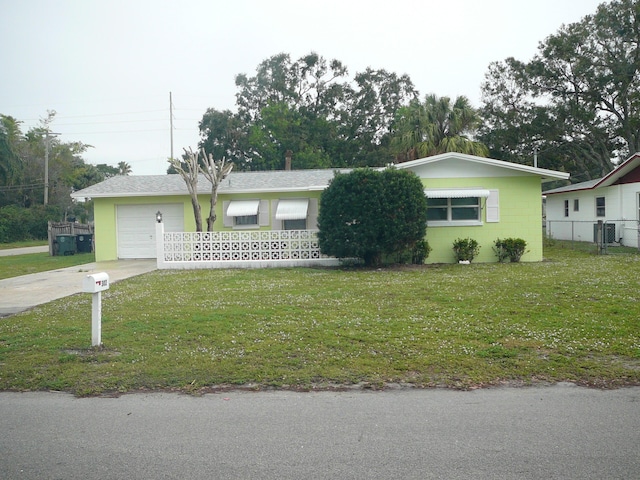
[
  {"x": 171, "y": 121},
  {"x": 47, "y": 136}
]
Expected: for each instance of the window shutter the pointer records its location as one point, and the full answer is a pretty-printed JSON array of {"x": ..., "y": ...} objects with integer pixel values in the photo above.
[
  {"x": 226, "y": 221},
  {"x": 263, "y": 213},
  {"x": 312, "y": 215},
  {"x": 276, "y": 224},
  {"x": 493, "y": 206}
]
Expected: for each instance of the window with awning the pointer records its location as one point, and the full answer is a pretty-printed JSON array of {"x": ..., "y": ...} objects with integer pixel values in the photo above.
[
  {"x": 244, "y": 212},
  {"x": 243, "y": 208},
  {"x": 292, "y": 209},
  {"x": 450, "y": 206}
]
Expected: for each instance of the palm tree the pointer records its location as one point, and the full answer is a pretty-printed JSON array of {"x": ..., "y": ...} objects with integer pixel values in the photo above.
[
  {"x": 436, "y": 126},
  {"x": 124, "y": 168}
]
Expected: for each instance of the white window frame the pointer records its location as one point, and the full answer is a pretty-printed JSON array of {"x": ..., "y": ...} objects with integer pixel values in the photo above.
[
  {"x": 603, "y": 207},
  {"x": 262, "y": 217},
  {"x": 450, "y": 222}
]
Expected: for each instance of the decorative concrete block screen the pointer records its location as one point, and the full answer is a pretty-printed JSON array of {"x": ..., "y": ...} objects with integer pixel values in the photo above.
[{"x": 246, "y": 249}]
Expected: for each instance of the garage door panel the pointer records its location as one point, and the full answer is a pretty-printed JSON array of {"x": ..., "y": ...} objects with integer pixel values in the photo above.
[{"x": 136, "y": 225}]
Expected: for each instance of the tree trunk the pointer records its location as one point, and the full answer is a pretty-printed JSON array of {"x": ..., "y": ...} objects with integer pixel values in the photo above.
[{"x": 197, "y": 213}]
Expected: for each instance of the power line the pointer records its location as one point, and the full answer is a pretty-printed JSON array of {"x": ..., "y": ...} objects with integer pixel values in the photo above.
[
  {"x": 116, "y": 131},
  {"x": 28, "y": 186},
  {"x": 113, "y": 114}
]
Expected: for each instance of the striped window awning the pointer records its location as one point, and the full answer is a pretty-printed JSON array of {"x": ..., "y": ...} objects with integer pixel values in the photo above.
[
  {"x": 456, "y": 193},
  {"x": 243, "y": 208},
  {"x": 292, "y": 209}
]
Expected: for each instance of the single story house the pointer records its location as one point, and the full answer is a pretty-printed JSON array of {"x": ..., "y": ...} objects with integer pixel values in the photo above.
[
  {"x": 468, "y": 196},
  {"x": 573, "y": 212}
]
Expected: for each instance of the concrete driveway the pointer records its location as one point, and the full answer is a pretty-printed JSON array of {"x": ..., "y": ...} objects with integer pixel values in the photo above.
[{"x": 22, "y": 293}]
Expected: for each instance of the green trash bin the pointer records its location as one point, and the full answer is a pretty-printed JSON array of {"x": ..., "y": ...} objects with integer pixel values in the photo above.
[
  {"x": 66, "y": 244},
  {"x": 84, "y": 243}
]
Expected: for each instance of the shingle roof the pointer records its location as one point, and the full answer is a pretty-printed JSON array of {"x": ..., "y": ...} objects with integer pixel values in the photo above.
[
  {"x": 571, "y": 188},
  {"x": 609, "y": 179},
  {"x": 236, "y": 182}
]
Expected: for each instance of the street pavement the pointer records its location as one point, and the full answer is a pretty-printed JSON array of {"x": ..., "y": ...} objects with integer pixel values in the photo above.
[{"x": 551, "y": 432}]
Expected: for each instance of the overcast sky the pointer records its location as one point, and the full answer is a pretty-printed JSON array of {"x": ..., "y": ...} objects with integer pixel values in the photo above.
[{"x": 107, "y": 66}]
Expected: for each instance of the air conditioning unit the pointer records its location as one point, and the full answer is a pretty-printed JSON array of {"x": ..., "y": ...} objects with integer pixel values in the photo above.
[{"x": 608, "y": 233}]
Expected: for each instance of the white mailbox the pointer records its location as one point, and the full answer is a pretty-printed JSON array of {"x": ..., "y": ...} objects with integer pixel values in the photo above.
[{"x": 97, "y": 282}]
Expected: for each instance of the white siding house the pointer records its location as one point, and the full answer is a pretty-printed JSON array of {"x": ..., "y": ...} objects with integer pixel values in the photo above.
[{"x": 573, "y": 212}]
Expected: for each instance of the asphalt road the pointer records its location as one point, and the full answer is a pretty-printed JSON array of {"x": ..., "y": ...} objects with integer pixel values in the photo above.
[{"x": 559, "y": 432}]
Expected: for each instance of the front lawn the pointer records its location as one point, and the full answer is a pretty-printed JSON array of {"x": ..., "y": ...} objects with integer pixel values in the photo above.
[{"x": 574, "y": 317}]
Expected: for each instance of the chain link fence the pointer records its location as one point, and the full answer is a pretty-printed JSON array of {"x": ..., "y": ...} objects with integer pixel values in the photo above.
[{"x": 603, "y": 233}]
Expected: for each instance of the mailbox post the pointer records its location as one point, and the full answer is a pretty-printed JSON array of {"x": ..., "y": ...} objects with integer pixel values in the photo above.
[{"x": 95, "y": 284}]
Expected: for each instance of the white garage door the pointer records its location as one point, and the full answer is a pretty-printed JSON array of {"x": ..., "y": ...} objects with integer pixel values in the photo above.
[{"x": 136, "y": 226}]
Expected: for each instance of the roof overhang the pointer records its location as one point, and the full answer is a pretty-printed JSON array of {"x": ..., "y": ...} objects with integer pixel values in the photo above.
[{"x": 544, "y": 173}]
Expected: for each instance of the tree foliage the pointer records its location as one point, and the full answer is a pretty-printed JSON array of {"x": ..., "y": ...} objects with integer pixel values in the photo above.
[
  {"x": 436, "y": 126},
  {"x": 310, "y": 107},
  {"x": 577, "y": 102},
  {"x": 22, "y": 166},
  {"x": 369, "y": 213}
]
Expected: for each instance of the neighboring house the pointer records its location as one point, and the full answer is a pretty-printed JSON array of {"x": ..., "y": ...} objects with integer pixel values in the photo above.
[
  {"x": 469, "y": 196},
  {"x": 573, "y": 211}
]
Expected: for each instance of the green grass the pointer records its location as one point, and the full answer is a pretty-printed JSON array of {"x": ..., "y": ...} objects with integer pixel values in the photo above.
[
  {"x": 16, "y": 265},
  {"x": 574, "y": 317},
  {"x": 25, "y": 243}
]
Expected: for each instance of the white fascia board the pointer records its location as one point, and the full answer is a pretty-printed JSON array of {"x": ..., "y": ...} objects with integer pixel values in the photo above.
[
  {"x": 542, "y": 172},
  {"x": 314, "y": 188},
  {"x": 129, "y": 194}
]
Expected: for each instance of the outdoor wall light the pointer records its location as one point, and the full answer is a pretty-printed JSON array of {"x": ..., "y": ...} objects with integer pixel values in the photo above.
[{"x": 159, "y": 216}]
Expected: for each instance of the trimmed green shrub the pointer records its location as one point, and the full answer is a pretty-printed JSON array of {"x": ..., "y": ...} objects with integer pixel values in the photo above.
[
  {"x": 511, "y": 248},
  {"x": 420, "y": 252},
  {"x": 465, "y": 249},
  {"x": 369, "y": 214}
]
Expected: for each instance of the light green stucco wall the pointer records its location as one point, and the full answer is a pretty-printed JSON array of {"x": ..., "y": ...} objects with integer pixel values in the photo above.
[
  {"x": 104, "y": 213},
  {"x": 520, "y": 217},
  {"x": 105, "y": 234}
]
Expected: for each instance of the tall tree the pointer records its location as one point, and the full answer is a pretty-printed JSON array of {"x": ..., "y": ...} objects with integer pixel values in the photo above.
[
  {"x": 224, "y": 135},
  {"x": 188, "y": 169},
  {"x": 581, "y": 94},
  {"x": 371, "y": 106},
  {"x": 311, "y": 107},
  {"x": 10, "y": 163},
  {"x": 215, "y": 171},
  {"x": 436, "y": 126},
  {"x": 124, "y": 168}
]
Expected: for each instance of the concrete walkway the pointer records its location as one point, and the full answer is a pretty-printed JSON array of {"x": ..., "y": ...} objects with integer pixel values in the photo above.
[
  {"x": 22, "y": 293},
  {"x": 23, "y": 251}
]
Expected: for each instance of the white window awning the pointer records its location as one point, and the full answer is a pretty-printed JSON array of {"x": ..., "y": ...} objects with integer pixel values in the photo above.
[
  {"x": 243, "y": 208},
  {"x": 292, "y": 209},
  {"x": 456, "y": 193}
]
